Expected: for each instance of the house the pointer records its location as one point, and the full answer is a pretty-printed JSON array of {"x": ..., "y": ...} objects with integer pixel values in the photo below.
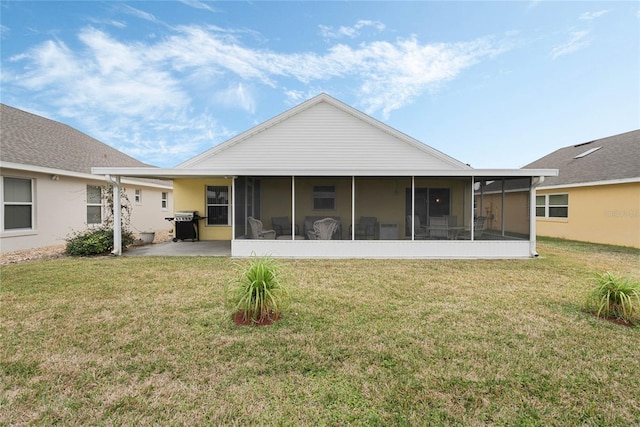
[
  {"x": 47, "y": 190},
  {"x": 596, "y": 196},
  {"x": 324, "y": 159}
]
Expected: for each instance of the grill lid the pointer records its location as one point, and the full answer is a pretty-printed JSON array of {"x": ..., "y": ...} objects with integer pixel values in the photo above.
[{"x": 182, "y": 216}]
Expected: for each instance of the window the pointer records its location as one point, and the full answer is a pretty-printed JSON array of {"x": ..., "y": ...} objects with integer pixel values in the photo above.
[
  {"x": 324, "y": 197},
  {"x": 18, "y": 203},
  {"x": 138, "y": 196},
  {"x": 552, "y": 206},
  {"x": 94, "y": 205},
  {"x": 217, "y": 205},
  {"x": 164, "y": 200}
]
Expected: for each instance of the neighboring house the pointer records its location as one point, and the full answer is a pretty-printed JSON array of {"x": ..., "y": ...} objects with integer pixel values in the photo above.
[
  {"x": 596, "y": 196},
  {"x": 325, "y": 159},
  {"x": 47, "y": 190}
]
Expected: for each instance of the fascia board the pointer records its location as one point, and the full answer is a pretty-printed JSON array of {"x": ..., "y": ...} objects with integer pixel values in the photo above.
[
  {"x": 172, "y": 173},
  {"x": 72, "y": 174},
  {"x": 46, "y": 170},
  {"x": 590, "y": 184}
]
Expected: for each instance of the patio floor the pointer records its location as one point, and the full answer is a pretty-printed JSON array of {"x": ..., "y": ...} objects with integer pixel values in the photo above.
[{"x": 180, "y": 248}]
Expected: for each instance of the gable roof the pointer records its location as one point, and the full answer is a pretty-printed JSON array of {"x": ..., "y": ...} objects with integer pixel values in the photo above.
[
  {"x": 28, "y": 139},
  {"x": 615, "y": 158},
  {"x": 323, "y": 134}
]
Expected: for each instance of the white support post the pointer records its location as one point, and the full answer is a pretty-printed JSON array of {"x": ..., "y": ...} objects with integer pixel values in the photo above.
[
  {"x": 233, "y": 208},
  {"x": 502, "y": 209},
  {"x": 473, "y": 201},
  {"x": 293, "y": 207},
  {"x": 353, "y": 207},
  {"x": 413, "y": 207}
]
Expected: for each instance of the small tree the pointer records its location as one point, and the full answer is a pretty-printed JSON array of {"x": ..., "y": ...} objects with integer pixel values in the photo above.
[{"x": 99, "y": 240}]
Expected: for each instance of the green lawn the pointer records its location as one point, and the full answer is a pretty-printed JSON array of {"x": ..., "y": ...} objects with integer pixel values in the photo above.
[{"x": 141, "y": 341}]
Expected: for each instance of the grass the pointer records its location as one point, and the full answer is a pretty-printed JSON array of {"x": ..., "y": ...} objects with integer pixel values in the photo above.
[{"x": 362, "y": 342}]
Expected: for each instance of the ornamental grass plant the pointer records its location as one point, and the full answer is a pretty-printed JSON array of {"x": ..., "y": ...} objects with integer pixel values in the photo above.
[
  {"x": 259, "y": 292},
  {"x": 615, "y": 297}
]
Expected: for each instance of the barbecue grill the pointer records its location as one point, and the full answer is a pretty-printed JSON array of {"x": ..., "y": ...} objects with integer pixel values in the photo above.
[{"x": 186, "y": 225}]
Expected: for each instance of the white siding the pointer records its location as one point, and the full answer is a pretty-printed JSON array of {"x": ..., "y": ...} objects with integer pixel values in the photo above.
[
  {"x": 454, "y": 249},
  {"x": 324, "y": 137}
]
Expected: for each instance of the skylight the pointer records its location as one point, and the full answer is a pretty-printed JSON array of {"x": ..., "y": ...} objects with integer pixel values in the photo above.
[{"x": 586, "y": 153}]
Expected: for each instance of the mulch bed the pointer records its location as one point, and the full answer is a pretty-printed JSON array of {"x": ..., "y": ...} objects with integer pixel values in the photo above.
[{"x": 240, "y": 319}]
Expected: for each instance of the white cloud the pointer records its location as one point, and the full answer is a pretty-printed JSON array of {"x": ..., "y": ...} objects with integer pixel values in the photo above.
[
  {"x": 141, "y": 95},
  {"x": 352, "y": 32},
  {"x": 140, "y": 14},
  {"x": 198, "y": 5},
  {"x": 4, "y": 31},
  {"x": 578, "y": 40},
  {"x": 237, "y": 96},
  {"x": 588, "y": 16}
]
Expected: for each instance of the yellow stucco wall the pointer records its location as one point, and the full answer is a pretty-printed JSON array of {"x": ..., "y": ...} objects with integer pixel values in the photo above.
[
  {"x": 516, "y": 211},
  {"x": 607, "y": 214},
  {"x": 190, "y": 195}
]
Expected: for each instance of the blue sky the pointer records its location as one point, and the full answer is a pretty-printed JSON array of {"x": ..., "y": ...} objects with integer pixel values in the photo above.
[{"x": 493, "y": 84}]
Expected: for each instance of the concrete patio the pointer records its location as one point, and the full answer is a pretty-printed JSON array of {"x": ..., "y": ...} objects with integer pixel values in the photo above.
[{"x": 180, "y": 248}]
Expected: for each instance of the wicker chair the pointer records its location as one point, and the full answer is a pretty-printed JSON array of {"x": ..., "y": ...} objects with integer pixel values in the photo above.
[
  {"x": 256, "y": 231},
  {"x": 323, "y": 229}
]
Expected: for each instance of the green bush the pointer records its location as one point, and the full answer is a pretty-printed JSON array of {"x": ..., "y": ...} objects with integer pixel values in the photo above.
[
  {"x": 615, "y": 297},
  {"x": 95, "y": 241},
  {"x": 260, "y": 291}
]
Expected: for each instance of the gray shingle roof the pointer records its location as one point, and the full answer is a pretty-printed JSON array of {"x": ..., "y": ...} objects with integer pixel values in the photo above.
[
  {"x": 29, "y": 139},
  {"x": 617, "y": 158}
]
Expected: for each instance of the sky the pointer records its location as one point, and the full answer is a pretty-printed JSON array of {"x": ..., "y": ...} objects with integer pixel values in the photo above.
[{"x": 492, "y": 84}]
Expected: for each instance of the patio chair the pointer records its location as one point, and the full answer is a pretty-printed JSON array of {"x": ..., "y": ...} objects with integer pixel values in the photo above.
[
  {"x": 256, "y": 231},
  {"x": 323, "y": 229},
  {"x": 365, "y": 228},
  {"x": 282, "y": 226},
  {"x": 420, "y": 231},
  {"x": 478, "y": 229},
  {"x": 439, "y": 227}
]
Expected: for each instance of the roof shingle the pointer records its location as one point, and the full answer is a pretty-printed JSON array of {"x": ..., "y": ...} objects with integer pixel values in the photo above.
[
  {"x": 29, "y": 139},
  {"x": 618, "y": 158}
]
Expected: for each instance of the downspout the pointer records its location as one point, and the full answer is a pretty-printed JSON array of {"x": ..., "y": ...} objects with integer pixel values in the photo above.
[
  {"x": 535, "y": 181},
  {"x": 117, "y": 215}
]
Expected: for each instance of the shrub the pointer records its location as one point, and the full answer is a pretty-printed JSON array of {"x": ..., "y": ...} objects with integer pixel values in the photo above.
[
  {"x": 615, "y": 297},
  {"x": 259, "y": 292},
  {"x": 95, "y": 241}
]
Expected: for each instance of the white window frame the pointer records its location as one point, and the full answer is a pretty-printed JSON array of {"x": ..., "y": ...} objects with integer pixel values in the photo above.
[
  {"x": 548, "y": 206},
  {"x": 164, "y": 200},
  {"x": 320, "y": 194},
  {"x": 137, "y": 196},
  {"x": 93, "y": 204},
  {"x": 207, "y": 205},
  {"x": 31, "y": 204}
]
